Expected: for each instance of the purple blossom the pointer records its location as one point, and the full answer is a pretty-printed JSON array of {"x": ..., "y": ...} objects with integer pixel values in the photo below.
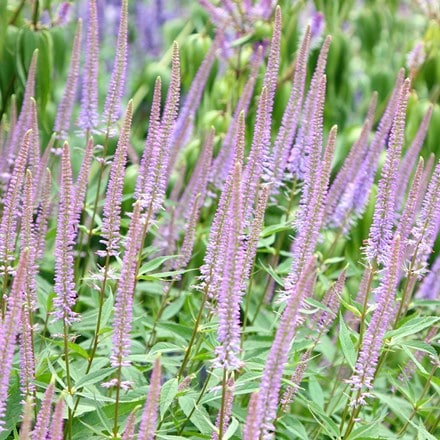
[
  {"x": 430, "y": 287},
  {"x": 88, "y": 116},
  {"x": 366, "y": 364},
  {"x": 381, "y": 230},
  {"x": 113, "y": 198},
  {"x": 9, "y": 330},
  {"x": 65, "y": 239},
  {"x": 41, "y": 428},
  {"x": 124, "y": 294},
  {"x": 149, "y": 415},
  {"x": 130, "y": 426},
  {"x": 118, "y": 78},
  {"x": 65, "y": 107},
  {"x": 56, "y": 425}
]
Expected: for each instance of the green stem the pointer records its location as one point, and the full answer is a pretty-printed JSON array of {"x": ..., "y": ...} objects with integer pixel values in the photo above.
[
  {"x": 222, "y": 408},
  {"x": 69, "y": 384},
  {"x": 118, "y": 395}
]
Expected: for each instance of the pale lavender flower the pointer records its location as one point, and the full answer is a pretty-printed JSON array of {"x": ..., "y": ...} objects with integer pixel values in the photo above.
[
  {"x": 64, "y": 277},
  {"x": 63, "y": 13},
  {"x": 65, "y": 107},
  {"x": 410, "y": 158},
  {"x": 365, "y": 176},
  {"x": 130, "y": 426},
  {"x": 152, "y": 141},
  {"x": 41, "y": 429},
  {"x": 430, "y": 287},
  {"x": 150, "y": 413},
  {"x": 268, "y": 394},
  {"x": 337, "y": 212},
  {"x": 124, "y": 295},
  {"x": 80, "y": 189},
  {"x": 118, "y": 78},
  {"x": 381, "y": 230},
  {"x": 257, "y": 156},
  {"x": 227, "y": 405},
  {"x": 88, "y": 116},
  {"x": 34, "y": 148},
  {"x": 159, "y": 164},
  {"x": 9, "y": 330},
  {"x": 305, "y": 242},
  {"x": 27, "y": 361},
  {"x": 283, "y": 142},
  {"x": 43, "y": 214},
  {"x": 8, "y": 146},
  {"x": 183, "y": 125},
  {"x": 8, "y": 226},
  {"x": 113, "y": 198},
  {"x": 298, "y": 159},
  {"x": 251, "y": 429},
  {"x": 26, "y": 420},
  {"x": 427, "y": 225},
  {"x": 56, "y": 425},
  {"x": 362, "y": 379},
  {"x": 230, "y": 292},
  {"x": 416, "y": 57}
]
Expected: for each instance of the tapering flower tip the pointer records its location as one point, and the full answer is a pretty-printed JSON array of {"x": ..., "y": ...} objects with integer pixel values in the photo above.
[
  {"x": 225, "y": 418},
  {"x": 27, "y": 215},
  {"x": 283, "y": 142},
  {"x": 64, "y": 277},
  {"x": 113, "y": 199},
  {"x": 88, "y": 116},
  {"x": 381, "y": 230},
  {"x": 150, "y": 413},
  {"x": 427, "y": 225},
  {"x": 268, "y": 395},
  {"x": 65, "y": 107},
  {"x": 251, "y": 430},
  {"x": 41, "y": 428},
  {"x": 26, "y": 421},
  {"x": 230, "y": 292},
  {"x": 270, "y": 79},
  {"x": 151, "y": 144},
  {"x": 56, "y": 425},
  {"x": 118, "y": 78},
  {"x": 410, "y": 158},
  {"x": 130, "y": 426},
  {"x": 9, "y": 330},
  {"x": 123, "y": 311},
  {"x": 362, "y": 380},
  {"x": 8, "y": 226},
  {"x": 81, "y": 183}
]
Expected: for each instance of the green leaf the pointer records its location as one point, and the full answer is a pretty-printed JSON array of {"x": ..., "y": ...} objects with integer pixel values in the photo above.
[
  {"x": 232, "y": 428},
  {"x": 327, "y": 424},
  {"x": 411, "y": 327},
  {"x": 94, "y": 377},
  {"x": 167, "y": 394},
  {"x": 154, "y": 264},
  {"x": 346, "y": 343}
]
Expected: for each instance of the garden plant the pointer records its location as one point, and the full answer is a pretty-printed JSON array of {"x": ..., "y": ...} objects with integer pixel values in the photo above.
[{"x": 219, "y": 219}]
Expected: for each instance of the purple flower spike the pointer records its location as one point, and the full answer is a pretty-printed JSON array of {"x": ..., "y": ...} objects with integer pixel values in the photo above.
[
  {"x": 229, "y": 399},
  {"x": 8, "y": 226},
  {"x": 430, "y": 287},
  {"x": 9, "y": 330},
  {"x": 230, "y": 292},
  {"x": 26, "y": 420},
  {"x": 124, "y": 295},
  {"x": 366, "y": 364},
  {"x": 130, "y": 427},
  {"x": 43, "y": 214},
  {"x": 381, "y": 230},
  {"x": 65, "y": 240},
  {"x": 56, "y": 425},
  {"x": 118, "y": 79},
  {"x": 41, "y": 428},
  {"x": 283, "y": 142},
  {"x": 268, "y": 394},
  {"x": 65, "y": 107},
  {"x": 88, "y": 116},
  {"x": 149, "y": 416},
  {"x": 113, "y": 198}
]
